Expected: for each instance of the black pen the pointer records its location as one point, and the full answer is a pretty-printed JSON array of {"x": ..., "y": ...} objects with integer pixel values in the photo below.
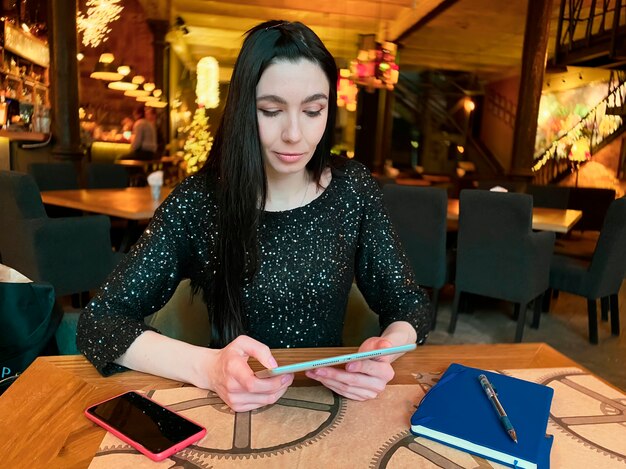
[{"x": 493, "y": 397}]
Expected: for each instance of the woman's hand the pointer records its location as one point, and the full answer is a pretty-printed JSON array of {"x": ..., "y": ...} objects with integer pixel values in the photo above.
[
  {"x": 360, "y": 380},
  {"x": 366, "y": 379},
  {"x": 234, "y": 381}
]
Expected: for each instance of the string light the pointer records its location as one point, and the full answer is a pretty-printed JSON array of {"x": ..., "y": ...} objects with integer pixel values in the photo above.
[{"x": 95, "y": 24}]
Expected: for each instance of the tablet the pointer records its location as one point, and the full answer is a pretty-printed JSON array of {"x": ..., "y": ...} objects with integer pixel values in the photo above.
[{"x": 338, "y": 360}]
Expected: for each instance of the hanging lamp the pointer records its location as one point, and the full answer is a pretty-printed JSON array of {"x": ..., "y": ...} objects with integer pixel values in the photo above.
[{"x": 105, "y": 70}]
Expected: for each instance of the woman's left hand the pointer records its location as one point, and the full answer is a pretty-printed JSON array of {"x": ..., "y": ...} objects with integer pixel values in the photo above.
[{"x": 360, "y": 380}]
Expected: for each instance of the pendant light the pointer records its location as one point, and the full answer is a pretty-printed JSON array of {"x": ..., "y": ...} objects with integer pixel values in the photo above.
[
  {"x": 123, "y": 84},
  {"x": 105, "y": 70}
]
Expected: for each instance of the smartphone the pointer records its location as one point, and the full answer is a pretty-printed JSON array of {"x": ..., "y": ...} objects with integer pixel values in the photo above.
[
  {"x": 338, "y": 360},
  {"x": 145, "y": 424}
]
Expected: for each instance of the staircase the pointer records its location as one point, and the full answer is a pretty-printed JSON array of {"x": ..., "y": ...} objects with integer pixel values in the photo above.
[
  {"x": 591, "y": 33},
  {"x": 430, "y": 105}
]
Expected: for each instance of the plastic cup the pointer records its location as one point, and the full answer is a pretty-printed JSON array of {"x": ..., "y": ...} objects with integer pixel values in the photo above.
[{"x": 155, "y": 189}]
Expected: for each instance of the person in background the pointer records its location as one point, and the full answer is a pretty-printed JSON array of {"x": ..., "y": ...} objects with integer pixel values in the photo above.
[
  {"x": 151, "y": 116},
  {"x": 127, "y": 124},
  {"x": 272, "y": 232},
  {"x": 143, "y": 141}
]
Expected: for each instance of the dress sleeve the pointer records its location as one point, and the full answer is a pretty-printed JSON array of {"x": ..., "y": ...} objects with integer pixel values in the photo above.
[
  {"x": 383, "y": 272},
  {"x": 140, "y": 285}
]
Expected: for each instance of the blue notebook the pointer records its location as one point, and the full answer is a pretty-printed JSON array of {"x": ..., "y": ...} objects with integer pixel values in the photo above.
[{"x": 457, "y": 413}]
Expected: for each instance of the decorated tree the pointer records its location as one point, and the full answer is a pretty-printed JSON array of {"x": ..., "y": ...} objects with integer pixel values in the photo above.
[{"x": 198, "y": 142}]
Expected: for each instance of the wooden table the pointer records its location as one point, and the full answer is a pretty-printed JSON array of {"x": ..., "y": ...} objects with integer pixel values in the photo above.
[
  {"x": 42, "y": 422},
  {"x": 544, "y": 219},
  {"x": 132, "y": 204}
]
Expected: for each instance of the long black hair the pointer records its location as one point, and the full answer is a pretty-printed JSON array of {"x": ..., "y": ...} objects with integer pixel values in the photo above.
[{"x": 236, "y": 171}]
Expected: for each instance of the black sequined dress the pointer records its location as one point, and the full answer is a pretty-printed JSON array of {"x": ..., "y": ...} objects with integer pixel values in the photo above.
[{"x": 309, "y": 257}]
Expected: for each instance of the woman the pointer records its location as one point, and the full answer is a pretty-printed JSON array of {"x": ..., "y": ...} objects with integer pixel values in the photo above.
[{"x": 272, "y": 233}]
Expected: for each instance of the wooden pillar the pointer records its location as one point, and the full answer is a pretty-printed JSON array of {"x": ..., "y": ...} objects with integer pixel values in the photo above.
[
  {"x": 373, "y": 130},
  {"x": 531, "y": 82},
  {"x": 64, "y": 80},
  {"x": 159, "y": 29}
]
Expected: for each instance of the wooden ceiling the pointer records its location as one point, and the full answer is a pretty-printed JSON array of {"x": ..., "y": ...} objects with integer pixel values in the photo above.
[{"x": 480, "y": 36}]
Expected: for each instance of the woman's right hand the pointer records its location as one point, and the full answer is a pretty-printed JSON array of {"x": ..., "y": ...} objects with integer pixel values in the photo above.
[{"x": 233, "y": 380}]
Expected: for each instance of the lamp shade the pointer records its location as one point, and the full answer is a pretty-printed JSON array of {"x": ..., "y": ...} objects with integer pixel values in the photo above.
[
  {"x": 124, "y": 84},
  {"x": 105, "y": 71},
  {"x": 157, "y": 103},
  {"x": 145, "y": 99},
  {"x": 136, "y": 93}
]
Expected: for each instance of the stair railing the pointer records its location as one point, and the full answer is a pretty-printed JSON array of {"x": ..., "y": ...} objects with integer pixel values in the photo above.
[
  {"x": 599, "y": 124},
  {"x": 407, "y": 94},
  {"x": 578, "y": 24}
]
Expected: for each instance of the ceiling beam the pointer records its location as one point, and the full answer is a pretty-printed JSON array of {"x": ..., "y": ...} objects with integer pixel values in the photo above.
[
  {"x": 434, "y": 13},
  {"x": 379, "y": 10},
  {"x": 410, "y": 17}
]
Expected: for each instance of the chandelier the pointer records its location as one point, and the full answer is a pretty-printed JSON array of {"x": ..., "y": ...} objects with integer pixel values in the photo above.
[
  {"x": 207, "y": 86},
  {"x": 375, "y": 65},
  {"x": 95, "y": 24},
  {"x": 346, "y": 91}
]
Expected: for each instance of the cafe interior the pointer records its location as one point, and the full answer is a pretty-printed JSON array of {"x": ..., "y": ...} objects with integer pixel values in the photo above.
[{"x": 495, "y": 131}]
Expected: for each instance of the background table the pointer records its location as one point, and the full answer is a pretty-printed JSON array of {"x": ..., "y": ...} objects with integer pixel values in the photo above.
[
  {"x": 132, "y": 204},
  {"x": 545, "y": 219},
  {"x": 42, "y": 412}
]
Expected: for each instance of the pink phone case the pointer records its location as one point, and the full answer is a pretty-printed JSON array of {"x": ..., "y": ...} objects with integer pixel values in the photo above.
[{"x": 142, "y": 449}]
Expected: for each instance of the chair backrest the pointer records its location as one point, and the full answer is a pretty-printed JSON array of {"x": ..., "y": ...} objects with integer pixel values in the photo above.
[
  {"x": 106, "y": 176},
  {"x": 493, "y": 227},
  {"x": 594, "y": 203},
  {"x": 419, "y": 216},
  {"x": 486, "y": 215},
  {"x": 183, "y": 317},
  {"x": 19, "y": 198},
  {"x": 549, "y": 196},
  {"x": 608, "y": 264},
  {"x": 54, "y": 176}
]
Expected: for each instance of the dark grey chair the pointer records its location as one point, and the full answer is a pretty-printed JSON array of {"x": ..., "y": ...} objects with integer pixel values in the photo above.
[
  {"x": 73, "y": 254},
  {"x": 594, "y": 203},
  {"x": 549, "y": 196},
  {"x": 419, "y": 217},
  {"x": 54, "y": 176},
  {"x": 601, "y": 277},
  {"x": 106, "y": 176},
  {"x": 581, "y": 241},
  {"x": 498, "y": 254}
]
